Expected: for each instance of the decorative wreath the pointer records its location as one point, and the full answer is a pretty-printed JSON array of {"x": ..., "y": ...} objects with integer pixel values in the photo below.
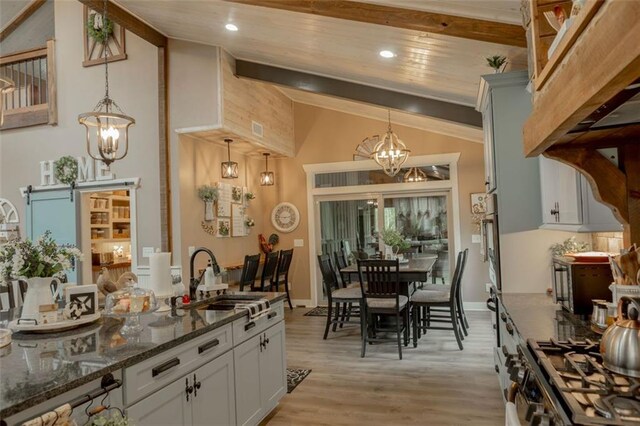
[
  {"x": 99, "y": 31},
  {"x": 66, "y": 170}
]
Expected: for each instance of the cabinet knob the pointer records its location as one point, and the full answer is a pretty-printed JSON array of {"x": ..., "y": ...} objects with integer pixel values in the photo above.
[
  {"x": 188, "y": 389},
  {"x": 196, "y": 385}
]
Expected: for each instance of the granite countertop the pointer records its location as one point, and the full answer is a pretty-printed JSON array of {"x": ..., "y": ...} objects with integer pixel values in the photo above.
[
  {"x": 36, "y": 367},
  {"x": 536, "y": 316}
]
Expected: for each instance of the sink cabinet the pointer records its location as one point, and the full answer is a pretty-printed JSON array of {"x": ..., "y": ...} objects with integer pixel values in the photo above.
[
  {"x": 568, "y": 203},
  {"x": 260, "y": 374}
]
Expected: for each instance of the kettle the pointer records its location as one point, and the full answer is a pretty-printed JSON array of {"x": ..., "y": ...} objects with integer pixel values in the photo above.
[{"x": 620, "y": 344}]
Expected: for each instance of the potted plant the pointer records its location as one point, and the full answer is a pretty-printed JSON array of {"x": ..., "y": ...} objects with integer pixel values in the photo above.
[
  {"x": 249, "y": 196},
  {"x": 496, "y": 62},
  {"x": 208, "y": 194},
  {"x": 249, "y": 223},
  {"x": 40, "y": 263},
  {"x": 394, "y": 242}
]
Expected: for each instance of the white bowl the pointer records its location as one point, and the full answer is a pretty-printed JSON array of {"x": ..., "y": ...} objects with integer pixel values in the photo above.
[{"x": 5, "y": 337}]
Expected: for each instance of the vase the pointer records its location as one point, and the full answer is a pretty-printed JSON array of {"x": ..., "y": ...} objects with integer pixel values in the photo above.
[
  {"x": 208, "y": 211},
  {"x": 38, "y": 293}
]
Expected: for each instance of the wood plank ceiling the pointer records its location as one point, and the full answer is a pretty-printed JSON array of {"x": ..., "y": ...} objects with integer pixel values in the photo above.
[{"x": 429, "y": 65}]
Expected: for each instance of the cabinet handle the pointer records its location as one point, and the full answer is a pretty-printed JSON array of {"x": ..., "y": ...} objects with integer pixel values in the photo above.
[
  {"x": 503, "y": 317},
  {"x": 505, "y": 351},
  {"x": 271, "y": 315},
  {"x": 196, "y": 385},
  {"x": 208, "y": 345},
  {"x": 266, "y": 340},
  {"x": 164, "y": 367},
  {"x": 510, "y": 329},
  {"x": 249, "y": 326},
  {"x": 496, "y": 368},
  {"x": 188, "y": 389},
  {"x": 261, "y": 343}
]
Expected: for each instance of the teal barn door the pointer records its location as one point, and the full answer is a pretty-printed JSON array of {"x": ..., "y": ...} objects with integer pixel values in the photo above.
[{"x": 54, "y": 211}]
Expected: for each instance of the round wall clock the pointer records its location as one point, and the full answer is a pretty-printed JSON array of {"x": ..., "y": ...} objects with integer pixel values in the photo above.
[{"x": 285, "y": 217}]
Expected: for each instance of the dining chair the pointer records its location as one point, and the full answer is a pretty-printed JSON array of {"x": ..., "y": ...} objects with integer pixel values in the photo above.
[
  {"x": 381, "y": 296},
  {"x": 282, "y": 274},
  {"x": 336, "y": 295},
  {"x": 250, "y": 271},
  {"x": 7, "y": 288},
  {"x": 269, "y": 268},
  {"x": 341, "y": 263},
  {"x": 439, "y": 267},
  {"x": 425, "y": 300}
]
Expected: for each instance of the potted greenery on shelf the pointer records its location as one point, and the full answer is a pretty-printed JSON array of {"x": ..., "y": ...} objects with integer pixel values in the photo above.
[
  {"x": 497, "y": 62},
  {"x": 394, "y": 242},
  {"x": 208, "y": 194}
]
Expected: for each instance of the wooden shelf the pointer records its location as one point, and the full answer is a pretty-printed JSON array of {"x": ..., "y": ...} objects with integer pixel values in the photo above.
[
  {"x": 111, "y": 240},
  {"x": 120, "y": 198},
  {"x": 123, "y": 220},
  {"x": 100, "y": 211},
  {"x": 100, "y": 225}
]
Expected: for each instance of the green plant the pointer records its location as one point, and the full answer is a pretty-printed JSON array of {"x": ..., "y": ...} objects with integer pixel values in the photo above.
[
  {"x": 102, "y": 32},
  {"x": 208, "y": 193},
  {"x": 113, "y": 418},
  {"x": 65, "y": 170},
  {"x": 223, "y": 228},
  {"x": 394, "y": 239},
  {"x": 570, "y": 245},
  {"x": 249, "y": 196},
  {"x": 496, "y": 61},
  {"x": 42, "y": 258},
  {"x": 236, "y": 193}
]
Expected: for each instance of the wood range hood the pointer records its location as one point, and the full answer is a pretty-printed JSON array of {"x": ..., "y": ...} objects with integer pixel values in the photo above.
[
  {"x": 587, "y": 97},
  {"x": 256, "y": 116}
]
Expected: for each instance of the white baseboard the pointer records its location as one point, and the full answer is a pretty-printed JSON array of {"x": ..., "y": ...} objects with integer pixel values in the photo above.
[
  {"x": 475, "y": 306},
  {"x": 300, "y": 302}
]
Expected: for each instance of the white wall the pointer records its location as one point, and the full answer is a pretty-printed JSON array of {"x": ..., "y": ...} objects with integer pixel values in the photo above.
[{"x": 133, "y": 84}]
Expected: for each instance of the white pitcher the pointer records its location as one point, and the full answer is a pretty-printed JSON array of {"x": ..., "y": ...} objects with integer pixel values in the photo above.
[{"x": 38, "y": 293}]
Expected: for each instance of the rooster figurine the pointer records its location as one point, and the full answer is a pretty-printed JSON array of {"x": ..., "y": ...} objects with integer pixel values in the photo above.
[
  {"x": 104, "y": 282},
  {"x": 127, "y": 278}
]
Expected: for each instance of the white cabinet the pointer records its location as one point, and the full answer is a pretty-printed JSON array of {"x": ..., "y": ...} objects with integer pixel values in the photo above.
[
  {"x": 260, "y": 374},
  {"x": 489, "y": 148},
  {"x": 568, "y": 203},
  {"x": 205, "y": 396}
]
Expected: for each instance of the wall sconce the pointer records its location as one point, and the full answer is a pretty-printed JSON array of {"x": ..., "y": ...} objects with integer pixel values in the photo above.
[
  {"x": 414, "y": 175},
  {"x": 229, "y": 168},
  {"x": 266, "y": 177}
]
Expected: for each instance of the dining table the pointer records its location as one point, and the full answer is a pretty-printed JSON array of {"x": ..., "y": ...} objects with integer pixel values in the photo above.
[{"x": 415, "y": 269}]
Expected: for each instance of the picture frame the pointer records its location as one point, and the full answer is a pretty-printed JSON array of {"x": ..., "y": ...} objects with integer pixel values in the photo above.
[
  {"x": 478, "y": 203},
  {"x": 86, "y": 295},
  {"x": 224, "y": 228}
]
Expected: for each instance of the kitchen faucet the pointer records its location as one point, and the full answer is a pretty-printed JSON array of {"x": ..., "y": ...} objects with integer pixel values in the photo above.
[{"x": 193, "y": 281}]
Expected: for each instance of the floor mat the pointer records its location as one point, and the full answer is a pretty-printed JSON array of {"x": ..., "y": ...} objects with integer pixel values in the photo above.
[{"x": 295, "y": 376}]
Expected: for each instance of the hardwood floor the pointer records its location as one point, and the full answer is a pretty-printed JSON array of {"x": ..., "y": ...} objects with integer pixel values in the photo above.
[{"x": 435, "y": 383}]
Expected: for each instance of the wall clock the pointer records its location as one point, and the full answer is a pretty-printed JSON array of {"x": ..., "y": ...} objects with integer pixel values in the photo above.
[{"x": 285, "y": 217}]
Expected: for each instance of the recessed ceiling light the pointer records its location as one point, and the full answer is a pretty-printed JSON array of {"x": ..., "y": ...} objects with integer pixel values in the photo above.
[
  {"x": 387, "y": 54},
  {"x": 231, "y": 27}
]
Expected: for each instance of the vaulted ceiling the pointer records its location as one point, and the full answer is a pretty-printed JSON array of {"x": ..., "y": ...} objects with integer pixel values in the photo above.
[{"x": 426, "y": 64}]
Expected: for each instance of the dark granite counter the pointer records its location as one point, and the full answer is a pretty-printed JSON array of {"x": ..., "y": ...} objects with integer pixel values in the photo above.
[
  {"x": 536, "y": 316},
  {"x": 36, "y": 367}
]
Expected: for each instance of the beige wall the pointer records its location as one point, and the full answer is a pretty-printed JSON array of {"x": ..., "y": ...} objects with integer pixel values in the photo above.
[
  {"x": 199, "y": 165},
  {"x": 133, "y": 84},
  {"x": 329, "y": 136}
]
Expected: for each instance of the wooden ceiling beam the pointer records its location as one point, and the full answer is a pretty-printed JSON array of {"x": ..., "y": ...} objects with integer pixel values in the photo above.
[
  {"x": 409, "y": 19},
  {"x": 128, "y": 21},
  {"x": 22, "y": 16}
]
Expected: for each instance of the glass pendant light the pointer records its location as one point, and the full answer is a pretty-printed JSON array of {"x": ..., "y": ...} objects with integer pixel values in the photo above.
[
  {"x": 390, "y": 153},
  {"x": 6, "y": 86},
  {"x": 266, "y": 177},
  {"x": 229, "y": 168},
  {"x": 414, "y": 175},
  {"x": 107, "y": 122}
]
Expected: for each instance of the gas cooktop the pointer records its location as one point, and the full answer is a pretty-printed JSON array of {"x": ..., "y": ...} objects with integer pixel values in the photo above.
[{"x": 590, "y": 394}]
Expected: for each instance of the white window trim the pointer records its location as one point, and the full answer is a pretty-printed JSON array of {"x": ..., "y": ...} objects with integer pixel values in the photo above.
[{"x": 311, "y": 170}]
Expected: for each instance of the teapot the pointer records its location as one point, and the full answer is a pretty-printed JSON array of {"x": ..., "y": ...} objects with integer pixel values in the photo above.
[{"x": 620, "y": 344}]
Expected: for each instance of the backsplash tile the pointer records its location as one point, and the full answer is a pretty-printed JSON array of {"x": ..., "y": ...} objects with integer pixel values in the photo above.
[{"x": 607, "y": 241}]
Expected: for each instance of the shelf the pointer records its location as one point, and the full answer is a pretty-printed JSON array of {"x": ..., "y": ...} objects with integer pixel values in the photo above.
[
  {"x": 124, "y": 220},
  {"x": 100, "y": 225},
  {"x": 96, "y": 210},
  {"x": 111, "y": 240},
  {"x": 120, "y": 198}
]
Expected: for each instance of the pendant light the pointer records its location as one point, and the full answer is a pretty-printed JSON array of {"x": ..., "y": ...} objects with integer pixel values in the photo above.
[
  {"x": 107, "y": 122},
  {"x": 414, "y": 175},
  {"x": 266, "y": 177},
  {"x": 229, "y": 168},
  {"x": 6, "y": 86},
  {"x": 390, "y": 153}
]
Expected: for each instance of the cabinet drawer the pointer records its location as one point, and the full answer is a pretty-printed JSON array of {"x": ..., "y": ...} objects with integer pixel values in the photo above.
[
  {"x": 150, "y": 375},
  {"x": 244, "y": 329}
]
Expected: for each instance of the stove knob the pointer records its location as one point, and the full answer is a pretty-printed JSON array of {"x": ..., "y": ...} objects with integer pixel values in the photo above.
[
  {"x": 541, "y": 419},
  {"x": 533, "y": 410},
  {"x": 518, "y": 374}
]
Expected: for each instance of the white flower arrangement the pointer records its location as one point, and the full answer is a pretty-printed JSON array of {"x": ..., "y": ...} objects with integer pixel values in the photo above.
[
  {"x": 250, "y": 223},
  {"x": 208, "y": 193},
  {"x": 42, "y": 258}
]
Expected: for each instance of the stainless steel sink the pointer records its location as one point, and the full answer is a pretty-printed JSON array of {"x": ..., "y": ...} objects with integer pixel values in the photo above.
[{"x": 228, "y": 302}]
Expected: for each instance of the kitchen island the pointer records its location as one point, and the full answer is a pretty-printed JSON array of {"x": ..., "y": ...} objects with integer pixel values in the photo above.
[{"x": 174, "y": 353}]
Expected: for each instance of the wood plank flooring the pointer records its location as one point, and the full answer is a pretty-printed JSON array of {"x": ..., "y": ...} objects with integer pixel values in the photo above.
[{"x": 435, "y": 383}]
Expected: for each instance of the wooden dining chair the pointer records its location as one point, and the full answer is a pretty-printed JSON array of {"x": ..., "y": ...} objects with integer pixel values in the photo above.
[
  {"x": 250, "y": 272},
  {"x": 7, "y": 289},
  {"x": 336, "y": 296},
  {"x": 268, "y": 269},
  {"x": 429, "y": 299},
  {"x": 381, "y": 296},
  {"x": 341, "y": 263},
  {"x": 282, "y": 274}
]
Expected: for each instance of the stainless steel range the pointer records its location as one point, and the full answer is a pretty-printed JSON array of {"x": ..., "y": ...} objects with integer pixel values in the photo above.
[{"x": 565, "y": 383}]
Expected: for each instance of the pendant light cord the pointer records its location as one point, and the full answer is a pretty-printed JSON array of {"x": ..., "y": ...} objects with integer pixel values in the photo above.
[{"x": 106, "y": 61}]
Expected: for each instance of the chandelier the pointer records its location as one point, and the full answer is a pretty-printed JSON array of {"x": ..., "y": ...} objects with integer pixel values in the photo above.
[
  {"x": 266, "y": 177},
  {"x": 229, "y": 168},
  {"x": 6, "y": 86},
  {"x": 414, "y": 175},
  {"x": 107, "y": 122},
  {"x": 390, "y": 153}
]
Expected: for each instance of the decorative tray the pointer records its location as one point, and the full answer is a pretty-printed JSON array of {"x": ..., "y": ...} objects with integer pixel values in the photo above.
[{"x": 30, "y": 327}]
